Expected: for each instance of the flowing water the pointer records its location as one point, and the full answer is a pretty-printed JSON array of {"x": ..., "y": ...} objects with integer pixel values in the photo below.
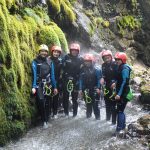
[{"x": 79, "y": 134}]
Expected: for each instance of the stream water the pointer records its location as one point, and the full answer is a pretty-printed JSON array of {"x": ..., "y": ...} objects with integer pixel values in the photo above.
[{"x": 79, "y": 133}]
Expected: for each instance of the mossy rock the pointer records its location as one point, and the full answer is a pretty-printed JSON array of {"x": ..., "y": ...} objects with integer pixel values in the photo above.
[
  {"x": 9, "y": 3},
  {"x": 67, "y": 10},
  {"x": 31, "y": 13},
  {"x": 61, "y": 37},
  {"x": 63, "y": 9},
  {"x": 128, "y": 22},
  {"x": 19, "y": 39},
  {"x": 145, "y": 93},
  {"x": 144, "y": 121},
  {"x": 105, "y": 24},
  {"x": 55, "y": 5},
  {"x": 3, "y": 127},
  {"x": 48, "y": 36},
  {"x": 98, "y": 21}
]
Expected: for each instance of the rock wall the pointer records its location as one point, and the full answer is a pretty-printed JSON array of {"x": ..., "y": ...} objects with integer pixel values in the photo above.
[{"x": 22, "y": 29}]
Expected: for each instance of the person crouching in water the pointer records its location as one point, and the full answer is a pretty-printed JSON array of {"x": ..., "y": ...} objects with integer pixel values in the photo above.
[
  {"x": 55, "y": 57},
  {"x": 122, "y": 89},
  {"x": 43, "y": 81},
  {"x": 107, "y": 81},
  {"x": 89, "y": 85}
]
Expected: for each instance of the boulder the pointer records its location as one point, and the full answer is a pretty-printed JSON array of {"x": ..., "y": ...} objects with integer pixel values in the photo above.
[
  {"x": 137, "y": 80},
  {"x": 145, "y": 93},
  {"x": 145, "y": 121}
]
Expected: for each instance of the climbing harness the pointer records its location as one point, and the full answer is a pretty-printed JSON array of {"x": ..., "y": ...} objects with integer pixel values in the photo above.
[
  {"x": 112, "y": 97},
  {"x": 105, "y": 90},
  {"x": 88, "y": 99},
  {"x": 47, "y": 89},
  {"x": 96, "y": 95},
  {"x": 70, "y": 87}
]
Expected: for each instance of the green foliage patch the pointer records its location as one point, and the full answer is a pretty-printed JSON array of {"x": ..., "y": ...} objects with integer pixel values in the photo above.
[{"x": 20, "y": 36}]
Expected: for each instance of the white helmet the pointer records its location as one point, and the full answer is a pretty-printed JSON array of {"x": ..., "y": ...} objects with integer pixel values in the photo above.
[{"x": 43, "y": 47}]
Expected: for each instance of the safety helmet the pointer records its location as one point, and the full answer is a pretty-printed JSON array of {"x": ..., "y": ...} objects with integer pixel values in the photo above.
[
  {"x": 57, "y": 48},
  {"x": 88, "y": 57},
  {"x": 106, "y": 53},
  {"x": 75, "y": 46},
  {"x": 122, "y": 56},
  {"x": 43, "y": 47}
]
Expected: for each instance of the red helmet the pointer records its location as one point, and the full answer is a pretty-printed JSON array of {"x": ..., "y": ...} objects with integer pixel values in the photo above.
[
  {"x": 122, "y": 56},
  {"x": 56, "y": 48},
  {"x": 75, "y": 46},
  {"x": 88, "y": 57},
  {"x": 106, "y": 53}
]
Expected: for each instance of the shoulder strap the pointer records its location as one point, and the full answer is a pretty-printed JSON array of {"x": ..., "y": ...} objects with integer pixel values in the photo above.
[{"x": 48, "y": 60}]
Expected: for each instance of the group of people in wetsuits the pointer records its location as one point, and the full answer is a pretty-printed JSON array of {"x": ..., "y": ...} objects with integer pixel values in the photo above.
[{"x": 75, "y": 76}]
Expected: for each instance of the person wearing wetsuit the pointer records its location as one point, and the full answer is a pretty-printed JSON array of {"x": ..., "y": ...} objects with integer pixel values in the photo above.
[{"x": 43, "y": 81}]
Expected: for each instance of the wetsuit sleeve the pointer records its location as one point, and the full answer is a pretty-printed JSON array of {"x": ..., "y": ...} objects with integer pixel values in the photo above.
[
  {"x": 34, "y": 74},
  {"x": 125, "y": 76},
  {"x": 98, "y": 76},
  {"x": 53, "y": 75},
  {"x": 81, "y": 82}
]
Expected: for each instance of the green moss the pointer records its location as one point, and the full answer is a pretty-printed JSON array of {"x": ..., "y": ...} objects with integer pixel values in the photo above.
[
  {"x": 48, "y": 36},
  {"x": 72, "y": 1},
  {"x": 55, "y": 5},
  {"x": 105, "y": 23},
  {"x": 19, "y": 38},
  {"x": 89, "y": 13},
  {"x": 31, "y": 24},
  {"x": 31, "y": 13},
  {"x": 62, "y": 8},
  {"x": 17, "y": 129},
  {"x": 61, "y": 37},
  {"x": 128, "y": 22},
  {"x": 39, "y": 10},
  {"x": 91, "y": 29},
  {"x": 3, "y": 3},
  {"x": 9, "y": 3},
  {"x": 3, "y": 127},
  {"x": 66, "y": 6},
  {"x": 134, "y": 5},
  {"x": 145, "y": 93},
  {"x": 145, "y": 89},
  {"x": 98, "y": 21}
]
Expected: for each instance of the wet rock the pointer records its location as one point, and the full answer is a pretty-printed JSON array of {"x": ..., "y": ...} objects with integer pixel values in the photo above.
[
  {"x": 137, "y": 80},
  {"x": 145, "y": 93},
  {"x": 140, "y": 129},
  {"x": 89, "y": 4},
  {"x": 143, "y": 37},
  {"x": 85, "y": 32},
  {"x": 135, "y": 130},
  {"x": 81, "y": 29},
  {"x": 145, "y": 121},
  {"x": 146, "y": 107}
]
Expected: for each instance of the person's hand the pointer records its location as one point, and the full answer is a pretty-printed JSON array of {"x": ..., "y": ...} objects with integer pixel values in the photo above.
[
  {"x": 113, "y": 86},
  {"x": 102, "y": 81},
  {"x": 98, "y": 91},
  {"x": 34, "y": 91},
  {"x": 117, "y": 97},
  {"x": 55, "y": 91},
  {"x": 80, "y": 93}
]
